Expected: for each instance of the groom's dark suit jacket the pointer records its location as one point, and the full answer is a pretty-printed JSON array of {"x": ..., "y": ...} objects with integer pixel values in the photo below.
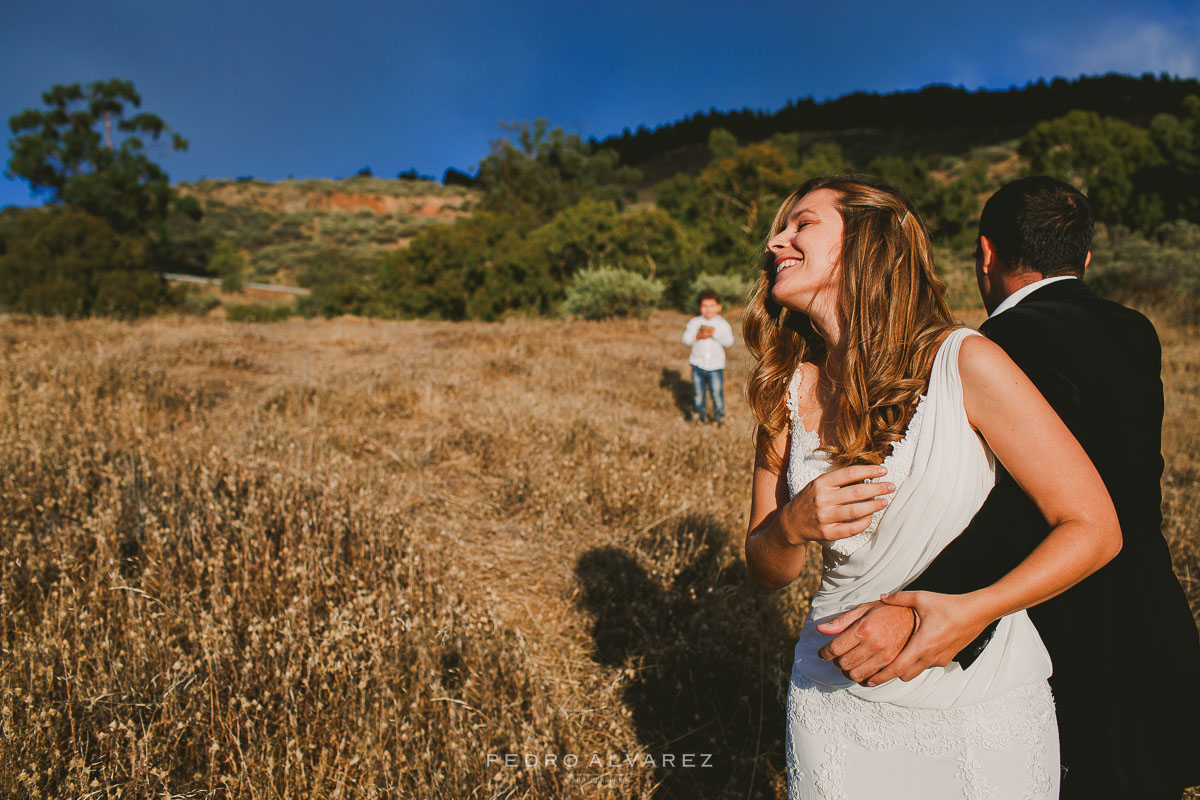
[{"x": 1124, "y": 644}]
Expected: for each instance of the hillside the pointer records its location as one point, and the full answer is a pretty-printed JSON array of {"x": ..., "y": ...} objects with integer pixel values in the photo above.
[
  {"x": 700, "y": 197},
  {"x": 420, "y": 198},
  {"x": 288, "y": 227}
]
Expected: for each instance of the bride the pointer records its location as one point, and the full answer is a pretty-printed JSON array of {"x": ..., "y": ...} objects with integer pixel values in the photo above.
[{"x": 859, "y": 365}]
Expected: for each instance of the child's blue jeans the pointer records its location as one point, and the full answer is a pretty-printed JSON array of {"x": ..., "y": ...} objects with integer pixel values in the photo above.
[{"x": 712, "y": 380}]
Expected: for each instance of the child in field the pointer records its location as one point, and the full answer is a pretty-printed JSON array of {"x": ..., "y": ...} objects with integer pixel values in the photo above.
[{"x": 708, "y": 335}]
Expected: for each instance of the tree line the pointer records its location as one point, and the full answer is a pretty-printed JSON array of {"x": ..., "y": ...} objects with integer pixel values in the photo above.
[
  {"x": 555, "y": 207},
  {"x": 956, "y": 117}
]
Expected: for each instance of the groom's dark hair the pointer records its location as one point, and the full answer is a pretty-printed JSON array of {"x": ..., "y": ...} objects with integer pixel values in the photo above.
[{"x": 1040, "y": 224}]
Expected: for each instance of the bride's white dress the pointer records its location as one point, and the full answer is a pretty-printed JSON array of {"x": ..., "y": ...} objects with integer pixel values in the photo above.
[{"x": 985, "y": 732}]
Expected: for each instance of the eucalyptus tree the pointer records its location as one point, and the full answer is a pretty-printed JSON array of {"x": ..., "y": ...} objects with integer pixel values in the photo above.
[{"x": 89, "y": 148}]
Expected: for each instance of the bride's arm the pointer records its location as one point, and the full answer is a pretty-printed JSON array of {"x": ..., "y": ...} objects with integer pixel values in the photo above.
[
  {"x": 772, "y": 560},
  {"x": 1050, "y": 466}
]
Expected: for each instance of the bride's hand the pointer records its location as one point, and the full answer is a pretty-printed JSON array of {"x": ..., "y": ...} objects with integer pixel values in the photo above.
[
  {"x": 835, "y": 505},
  {"x": 946, "y": 623}
]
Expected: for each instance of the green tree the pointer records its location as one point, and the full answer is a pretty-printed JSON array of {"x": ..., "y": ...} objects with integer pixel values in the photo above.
[
  {"x": 721, "y": 144},
  {"x": 823, "y": 158},
  {"x": 732, "y": 289},
  {"x": 909, "y": 175},
  {"x": 67, "y": 262},
  {"x": 1178, "y": 180},
  {"x": 8, "y": 223},
  {"x": 228, "y": 263},
  {"x": 87, "y": 150},
  {"x": 471, "y": 269},
  {"x": 595, "y": 232},
  {"x": 951, "y": 209},
  {"x": 746, "y": 186},
  {"x": 1102, "y": 156},
  {"x": 727, "y": 208},
  {"x": 342, "y": 281},
  {"x": 541, "y": 171}
]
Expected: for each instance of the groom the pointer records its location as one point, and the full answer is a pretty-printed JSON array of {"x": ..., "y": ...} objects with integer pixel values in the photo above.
[{"x": 1124, "y": 644}]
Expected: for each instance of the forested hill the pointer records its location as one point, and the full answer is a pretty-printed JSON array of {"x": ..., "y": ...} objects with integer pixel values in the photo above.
[
  {"x": 957, "y": 118},
  {"x": 556, "y": 224}
]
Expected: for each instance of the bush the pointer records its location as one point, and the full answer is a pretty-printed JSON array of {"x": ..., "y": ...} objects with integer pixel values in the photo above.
[
  {"x": 346, "y": 297},
  {"x": 732, "y": 289},
  {"x": 228, "y": 263},
  {"x": 70, "y": 263},
  {"x": 131, "y": 293},
  {"x": 199, "y": 303},
  {"x": 1162, "y": 271},
  {"x": 258, "y": 312},
  {"x": 608, "y": 292},
  {"x": 956, "y": 268}
]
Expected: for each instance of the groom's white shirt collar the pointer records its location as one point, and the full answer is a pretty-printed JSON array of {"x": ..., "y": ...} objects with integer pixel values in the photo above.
[{"x": 1028, "y": 289}]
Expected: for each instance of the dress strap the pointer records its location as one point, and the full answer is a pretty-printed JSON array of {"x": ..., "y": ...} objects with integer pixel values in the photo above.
[{"x": 944, "y": 375}]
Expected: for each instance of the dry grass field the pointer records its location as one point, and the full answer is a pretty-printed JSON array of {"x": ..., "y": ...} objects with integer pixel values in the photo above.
[{"x": 352, "y": 558}]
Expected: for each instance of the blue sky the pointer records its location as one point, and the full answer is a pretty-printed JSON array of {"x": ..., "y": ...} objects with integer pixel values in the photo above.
[{"x": 309, "y": 89}]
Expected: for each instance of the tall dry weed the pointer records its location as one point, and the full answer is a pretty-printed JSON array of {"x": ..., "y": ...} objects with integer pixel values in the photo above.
[{"x": 362, "y": 559}]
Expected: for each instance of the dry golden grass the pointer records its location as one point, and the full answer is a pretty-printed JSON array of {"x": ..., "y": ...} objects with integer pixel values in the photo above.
[{"x": 369, "y": 559}]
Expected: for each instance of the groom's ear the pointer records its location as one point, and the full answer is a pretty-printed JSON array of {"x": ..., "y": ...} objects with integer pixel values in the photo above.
[
  {"x": 987, "y": 255},
  {"x": 1087, "y": 260}
]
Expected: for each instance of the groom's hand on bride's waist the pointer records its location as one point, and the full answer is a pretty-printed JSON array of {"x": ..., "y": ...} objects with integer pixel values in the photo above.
[
  {"x": 945, "y": 624},
  {"x": 835, "y": 505},
  {"x": 867, "y": 638}
]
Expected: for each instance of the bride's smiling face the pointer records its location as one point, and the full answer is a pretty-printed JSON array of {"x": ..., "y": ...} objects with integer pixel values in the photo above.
[{"x": 806, "y": 255}]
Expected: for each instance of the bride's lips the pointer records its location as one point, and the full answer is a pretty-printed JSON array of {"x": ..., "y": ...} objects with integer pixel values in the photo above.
[{"x": 784, "y": 263}]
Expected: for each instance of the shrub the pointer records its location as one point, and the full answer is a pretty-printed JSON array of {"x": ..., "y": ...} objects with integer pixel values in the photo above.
[
  {"x": 258, "y": 312},
  {"x": 732, "y": 289},
  {"x": 130, "y": 293},
  {"x": 199, "y": 303},
  {"x": 437, "y": 277},
  {"x": 229, "y": 263},
  {"x": 70, "y": 263},
  {"x": 608, "y": 292},
  {"x": 595, "y": 232},
  {"x": 345, "y": 297},
  {"x": 8, "y": 223},
  {"x": 1161, "y": 271},
  {"x": 956, "y": 268},
  {"x": 456, "y": 177}
]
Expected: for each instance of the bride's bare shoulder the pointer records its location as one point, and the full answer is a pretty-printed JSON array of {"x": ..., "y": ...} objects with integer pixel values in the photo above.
[{"x": 980, "y": 359}]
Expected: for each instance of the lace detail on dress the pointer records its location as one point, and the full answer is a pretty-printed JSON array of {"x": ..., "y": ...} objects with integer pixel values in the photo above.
[
  {"x": 1039, "y": 786},
  {"x": 831, "y": 776},
  {"x": 807, "y": 462},
  {"x": 899, "y": 464},
  {"x": 993, "y": 725},
  {"x": 970, "y": 774}
]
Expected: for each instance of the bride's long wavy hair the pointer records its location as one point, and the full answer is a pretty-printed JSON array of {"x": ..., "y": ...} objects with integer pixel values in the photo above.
[{"x": 893, "y": 315}]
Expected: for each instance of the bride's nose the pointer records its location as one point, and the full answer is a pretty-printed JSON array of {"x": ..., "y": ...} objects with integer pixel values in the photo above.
[{"x": 778, "y": 241}]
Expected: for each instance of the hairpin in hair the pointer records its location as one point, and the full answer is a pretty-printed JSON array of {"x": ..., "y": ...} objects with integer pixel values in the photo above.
[{"x": 904, "y": 219}]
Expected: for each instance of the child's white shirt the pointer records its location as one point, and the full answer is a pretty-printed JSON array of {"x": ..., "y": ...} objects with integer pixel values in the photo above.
[{"x": 708, "y": 353}]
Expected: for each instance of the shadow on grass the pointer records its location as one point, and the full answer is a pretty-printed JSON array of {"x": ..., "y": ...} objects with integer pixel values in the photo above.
[
  {"x": 708, "y": 656},
  {"x": 681, "y": 390}
]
